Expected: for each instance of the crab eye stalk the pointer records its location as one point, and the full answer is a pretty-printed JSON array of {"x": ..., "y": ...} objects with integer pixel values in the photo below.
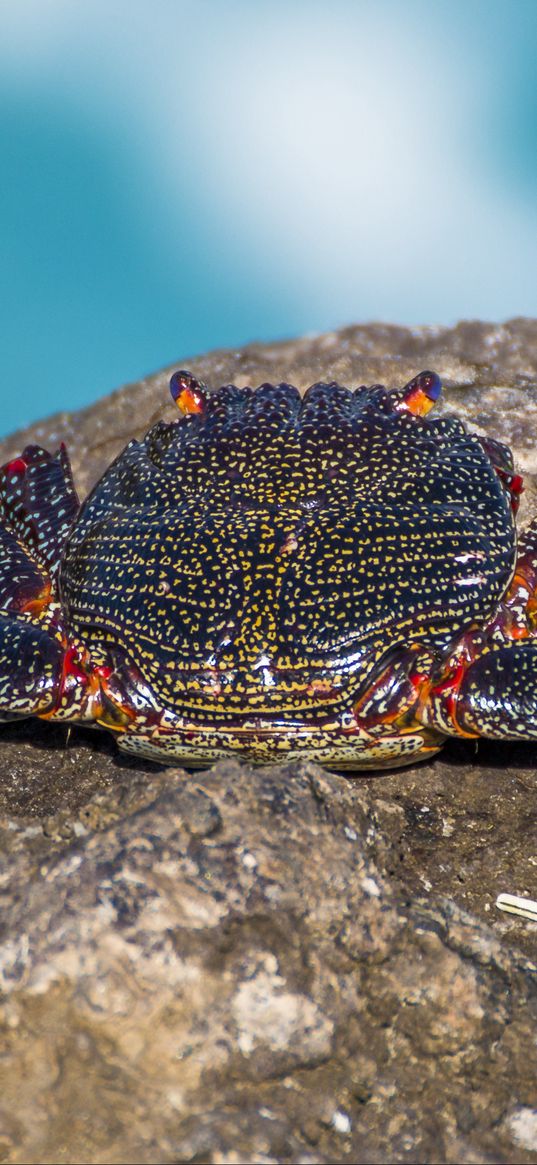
[
  {"x": 419, "y": 396},
  {"x": 188, "y": 393}
]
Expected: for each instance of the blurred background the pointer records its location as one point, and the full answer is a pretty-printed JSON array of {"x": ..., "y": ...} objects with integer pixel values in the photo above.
[{"x": 177, "y": 176}]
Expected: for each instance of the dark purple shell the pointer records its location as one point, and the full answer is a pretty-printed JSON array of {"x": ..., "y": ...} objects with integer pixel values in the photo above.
[{"x": 317, "y": 533}]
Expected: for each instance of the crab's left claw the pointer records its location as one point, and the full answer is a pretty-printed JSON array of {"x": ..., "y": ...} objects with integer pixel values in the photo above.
[{"x": 420, "y": 395}]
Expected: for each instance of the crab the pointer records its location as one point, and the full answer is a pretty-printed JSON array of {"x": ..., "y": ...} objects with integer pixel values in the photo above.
[{"x": 334, "y": 576}]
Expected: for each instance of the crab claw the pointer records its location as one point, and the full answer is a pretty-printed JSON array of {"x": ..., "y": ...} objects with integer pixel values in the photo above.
[
  {"x": 420, "y": 394},
  {"x": 188, "y": 393}
]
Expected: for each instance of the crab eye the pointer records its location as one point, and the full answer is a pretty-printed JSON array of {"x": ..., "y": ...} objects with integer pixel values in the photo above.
[
  {"x": 188, "y": 393},
  {"x": 420, "y": 394}
]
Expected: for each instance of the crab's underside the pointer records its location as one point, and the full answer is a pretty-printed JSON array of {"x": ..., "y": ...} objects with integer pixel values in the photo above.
[{"x": 334, "y": 576}]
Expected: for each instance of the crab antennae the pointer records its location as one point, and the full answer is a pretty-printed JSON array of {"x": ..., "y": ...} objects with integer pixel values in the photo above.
[
  {"x": 188, "y": 393},
  {"x": 420, "y": 394}
]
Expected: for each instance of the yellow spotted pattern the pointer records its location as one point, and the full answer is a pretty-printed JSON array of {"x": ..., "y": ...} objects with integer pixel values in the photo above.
[{"x": 258, "y": 561}]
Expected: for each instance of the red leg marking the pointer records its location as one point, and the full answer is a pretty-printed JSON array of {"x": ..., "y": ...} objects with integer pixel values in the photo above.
[
  {"x": 18, "y": 465},
  {"x": 394, "y": 696},
  {"x": 36, "y": 607}
]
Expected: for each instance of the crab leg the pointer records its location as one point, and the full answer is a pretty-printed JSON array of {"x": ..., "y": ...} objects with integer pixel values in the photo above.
[
  {"x": 489, "y": 686},
  {"x": 494, "y": 695},
  {"x": 41, "y": 672},
  {"x": 517, "y": 617},
  {"x": 38, "y": 503}
]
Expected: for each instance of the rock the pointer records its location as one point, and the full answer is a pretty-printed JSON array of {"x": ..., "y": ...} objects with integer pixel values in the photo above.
[
  {"x": 279, "y": 964},
  {"x": 223, "y": 969}
]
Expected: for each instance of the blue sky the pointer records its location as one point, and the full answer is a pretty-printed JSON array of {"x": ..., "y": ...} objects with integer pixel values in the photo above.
[{"x": 183, "y": 175}]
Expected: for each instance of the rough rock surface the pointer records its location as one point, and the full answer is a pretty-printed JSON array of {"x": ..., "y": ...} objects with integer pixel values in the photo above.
[{"x": 277, "y": 964}]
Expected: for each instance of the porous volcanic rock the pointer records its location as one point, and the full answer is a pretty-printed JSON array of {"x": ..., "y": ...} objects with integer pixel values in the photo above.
[{"x": 278, "y": 964}]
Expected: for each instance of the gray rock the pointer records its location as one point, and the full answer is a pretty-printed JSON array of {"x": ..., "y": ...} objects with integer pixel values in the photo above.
[{"x": 280, "y": 964}]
